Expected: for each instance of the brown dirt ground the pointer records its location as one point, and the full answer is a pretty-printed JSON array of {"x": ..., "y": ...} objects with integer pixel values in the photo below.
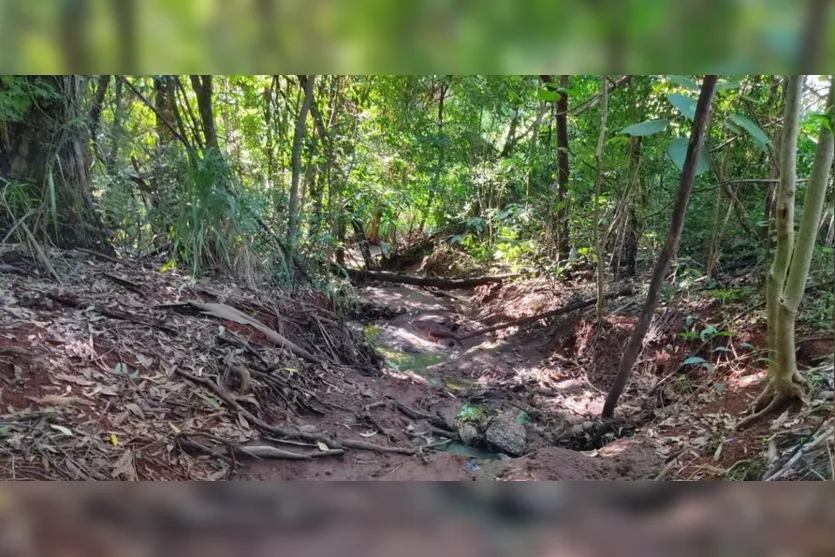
[{"x": 57, "y": 376}]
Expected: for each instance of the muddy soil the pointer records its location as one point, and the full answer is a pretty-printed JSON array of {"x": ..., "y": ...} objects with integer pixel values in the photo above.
[{"x": 431, "y": 379}]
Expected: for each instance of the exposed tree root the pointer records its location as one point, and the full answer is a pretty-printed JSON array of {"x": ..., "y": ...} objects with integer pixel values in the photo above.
[{"x": 773, "y": 398}]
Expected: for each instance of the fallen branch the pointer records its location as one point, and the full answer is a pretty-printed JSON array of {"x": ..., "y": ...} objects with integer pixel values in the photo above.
[
  {"x": 112, "y": 313},
  {"x": 800, "y": 452},
  {"x": 229, "y": 313},
  {"x": 447, "y": 284},
  {"x": 287, "y": 433},
  {"x": 553, "y": 313}
]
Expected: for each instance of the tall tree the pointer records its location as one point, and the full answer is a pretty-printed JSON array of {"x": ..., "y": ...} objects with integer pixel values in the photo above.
[
  {"x": 307, "y": 82},
  {"x": 786, "y": 280},
  {"x": 49, "y": 148},
  {"x": 202, "y": 85},
  {"x": 598, "y": 191},
  {"x": 703, "y": 113},
  {"x": 563, "y": 174}
]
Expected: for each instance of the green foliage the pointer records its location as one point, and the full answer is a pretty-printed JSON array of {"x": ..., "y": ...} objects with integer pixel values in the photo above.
[
  {"x": 648, "y": 127},
  {"x": 685, "y": 105},
  {"x": 748, "y": 125},
  {"x": 479, "y": 167},
  {"x": 677, "y": 151},
  {"x": 18, "y": 94}
]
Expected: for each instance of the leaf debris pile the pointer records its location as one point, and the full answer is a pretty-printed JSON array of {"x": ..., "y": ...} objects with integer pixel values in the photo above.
[{"x": 113, "y": 370}]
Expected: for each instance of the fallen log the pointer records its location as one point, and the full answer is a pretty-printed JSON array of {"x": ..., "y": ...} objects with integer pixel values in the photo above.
[
  {"x": 553, "y": 313},
  {"x": 446, "y": 284}
]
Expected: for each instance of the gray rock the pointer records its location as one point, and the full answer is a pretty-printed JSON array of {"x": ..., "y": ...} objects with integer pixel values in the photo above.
[
  {"x": 826, "y": 395},
  {"x": 506, "y": 433},
  {"x": 468, "y": 432}
]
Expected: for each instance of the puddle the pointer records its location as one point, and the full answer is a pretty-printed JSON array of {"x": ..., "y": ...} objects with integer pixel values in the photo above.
[
  {"x": 416, "y": 362},
  {"x": 472, "y": 452}
]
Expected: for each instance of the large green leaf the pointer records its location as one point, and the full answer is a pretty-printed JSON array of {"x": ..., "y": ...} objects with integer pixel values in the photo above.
[
  {"x": 677, "y": 150},
  {"x": 547, "y": 95},
  {"x": 730, "y": 83},
  {"x": 645, "y": 128},
  {"x": 685, "y": 105},
  {"x": 684, "y": 81},
  {"x": 748, "y": 125}
]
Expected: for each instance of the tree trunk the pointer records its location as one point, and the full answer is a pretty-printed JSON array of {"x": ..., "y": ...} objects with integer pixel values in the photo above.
[
  {"x": 625, "y": 224},
  {"x": 202, "y": 85},
  {"x": 598, "y": 233},
  {"x": 786, "y": 281},
  {"x": 704, "y": 111},
  {"x": 296, "y": 163},
  {"x": 563, "y": 175},
  {"x": 532, "y": 166},
  {"x": 95, "y": 114},
  {"x": 165, "y": 105},
  {"x": 784, "y": 213},
  {"x": 116, "y": 130},
  {"x": 49, "y": 148}
]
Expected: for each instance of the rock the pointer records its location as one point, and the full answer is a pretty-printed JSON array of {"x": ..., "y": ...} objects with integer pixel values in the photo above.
[
  {"x": 506, "y": 433},
  {"x": 826, "y": 395},
  {"x": 468, "y": 433}
]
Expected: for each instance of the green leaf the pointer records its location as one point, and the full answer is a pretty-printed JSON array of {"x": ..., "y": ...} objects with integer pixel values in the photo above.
[
  {"x": 677, "y": 150},
  {"x": 726, "y": 84},
  {"x": 645, "y": 128},
  {"x": 685, "y": 105},
  {"x": 547, "y": 95},
  {"x": 684, "y": 81},
  {"x": 708, "y": 331},
  {"x": 693, "y": 360},
  {"x": 120, "y": 369},
  {"x": 721, "y": 349},
  {"x": 752, "y": 128},
  {"x": 747, "y": 345}
]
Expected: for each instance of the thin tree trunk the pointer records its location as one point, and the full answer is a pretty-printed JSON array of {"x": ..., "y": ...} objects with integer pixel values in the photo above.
[
  {"x": 704, "y": 111},
  {"x": 510, "y": 142},
  {"x": 116, "y": 132},
  {"x": 598, "y": 156},
  {"x": 95, "y": 114},
  {"x": 534, "y": 141},
  {"x": 295, "y": 162},
  {"x": 784, "y": 213},
  {"x": 792, "y": 260},
  {"x": 563, "y": 174}
]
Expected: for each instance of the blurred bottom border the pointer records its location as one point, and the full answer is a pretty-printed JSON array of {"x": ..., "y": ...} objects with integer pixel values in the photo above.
[{"x": 417, "y": 519}]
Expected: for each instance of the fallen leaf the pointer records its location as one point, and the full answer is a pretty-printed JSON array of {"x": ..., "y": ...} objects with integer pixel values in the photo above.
[
  {"x": 124, "y": 467},
  {"x": 58, "y": 400},
  {"x": 66, "y": 431},
  {"x": 144, "y": 361},
  {"x": 75, "y": 380},
  {"x": 322, "y": 446},
  {"x": 718, "y": 453},
  {"x": 369, "y": 434},
  {"x": 114, "y": 439}
]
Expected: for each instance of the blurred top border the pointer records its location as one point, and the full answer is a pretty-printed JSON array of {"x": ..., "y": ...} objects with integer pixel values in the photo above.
[{"x": 428, "y": 36}]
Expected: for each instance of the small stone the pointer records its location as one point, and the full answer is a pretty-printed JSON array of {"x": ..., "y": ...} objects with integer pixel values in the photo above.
[
  {"x": 506, "y": 433},
  {"x": 826, "y": 395}
]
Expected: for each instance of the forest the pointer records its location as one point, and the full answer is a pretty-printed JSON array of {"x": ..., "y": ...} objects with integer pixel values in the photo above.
[{"x": 417, "y": 277}]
